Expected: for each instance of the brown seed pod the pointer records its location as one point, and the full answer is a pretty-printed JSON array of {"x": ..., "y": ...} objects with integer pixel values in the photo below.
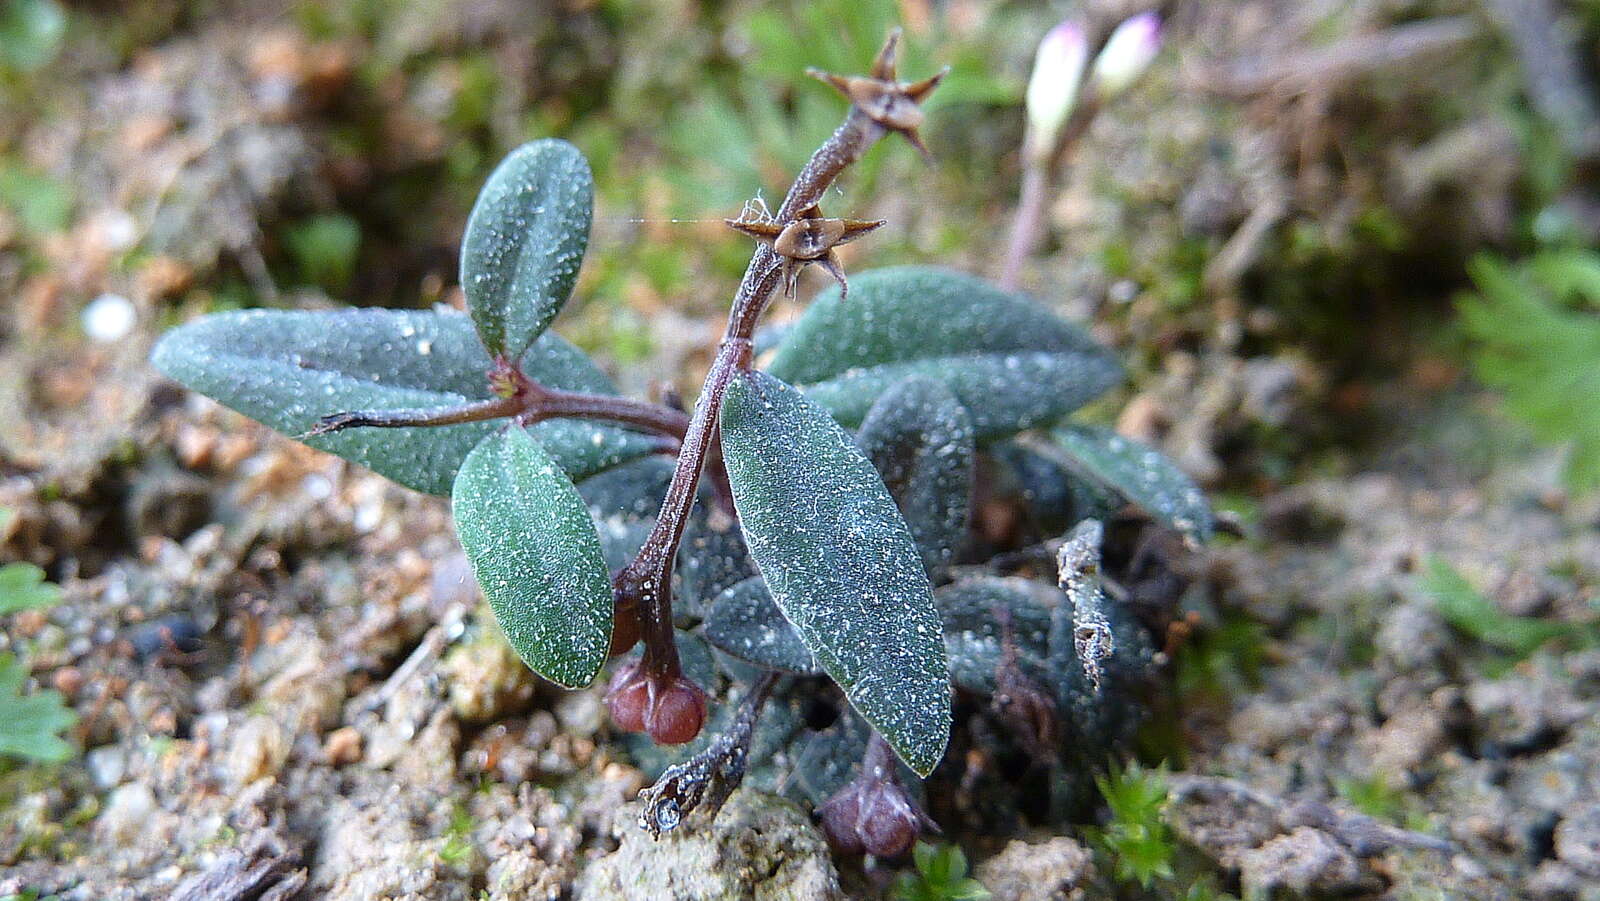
[
  {"x": 809, "y": 238},
  {"x": 891, "y": 103}
]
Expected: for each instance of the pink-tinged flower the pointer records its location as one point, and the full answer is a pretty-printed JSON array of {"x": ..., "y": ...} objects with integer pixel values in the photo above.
[
  {"x": 1127, "y": 54},
  {"x": 1053, "y": 87}
]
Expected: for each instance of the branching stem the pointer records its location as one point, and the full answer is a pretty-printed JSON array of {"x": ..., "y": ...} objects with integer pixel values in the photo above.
[
  {"x": 648, "y": 576},
  {"x": 530, "y": 402}
]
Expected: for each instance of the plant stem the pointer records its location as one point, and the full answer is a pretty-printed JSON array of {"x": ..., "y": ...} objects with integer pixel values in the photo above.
[
  {"x": 648, "y": 577},
  {"x": 709, "y": 777},
  {"x": 478, "y": 411},
  {"x": 531, "y": 402},
  {"x": 1038, "y": 170},
  {"x": 541, "y": 403},
  {"x": 1028, "y": 222}
]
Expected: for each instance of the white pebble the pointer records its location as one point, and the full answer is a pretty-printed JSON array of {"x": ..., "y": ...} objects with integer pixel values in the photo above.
[{"x": 109, "y": 317}]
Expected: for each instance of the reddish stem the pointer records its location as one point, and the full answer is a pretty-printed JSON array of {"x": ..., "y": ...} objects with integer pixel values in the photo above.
[{"x": 648, "y": 576}]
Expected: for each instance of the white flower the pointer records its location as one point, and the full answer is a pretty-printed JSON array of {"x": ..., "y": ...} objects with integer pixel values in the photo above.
[
  {"x": 1126, "y": 55},
  {"x": 1053, "y": 88}
]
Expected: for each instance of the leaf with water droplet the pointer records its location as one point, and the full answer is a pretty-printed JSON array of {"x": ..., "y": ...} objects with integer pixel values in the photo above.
[
  {"x": 974, "y": 611},
  {"x": 537, "y": 558},
  {"x": 839, "y": 561},
  {"x": 289, "y": 368},
  {"x": 745, "y": 622},
  {"x": 525, "y": 241},
  {"x": 921, "y": 440},
  {"x": 1010, "y": 361},
  {"x": 1139, "y": 473},
  {"x": 1051, "y": 496}
]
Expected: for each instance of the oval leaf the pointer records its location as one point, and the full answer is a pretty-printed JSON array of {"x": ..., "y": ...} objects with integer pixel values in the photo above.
[
  {"x": 839, "y": 561},
  {"x": 906, "y": 313},
  {"x": 288, "y": 368},
  {"x": 1052, "y": 496},
  {"x": 1012, "y": 363},
  {"x": 745, "y": 622},
  {"x": 536, "y": 556},
  {"x": 524, "y": 243},
  {"x": 973, "y": 612},
  {"x": 1141, "y": 474},
  {"x": 921, "y": 440},
  {"x": 1004, "y": 393}
]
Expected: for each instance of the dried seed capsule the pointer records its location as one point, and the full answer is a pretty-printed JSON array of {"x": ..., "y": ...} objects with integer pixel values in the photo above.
[
  {"x": 873, "y": 814},
  {"x": 871, "y": 817}
]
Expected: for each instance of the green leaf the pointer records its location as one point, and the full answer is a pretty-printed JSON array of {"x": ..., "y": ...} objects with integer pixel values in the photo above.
[
  {"x": 1004, "y": 393},
  {"x": 22, "y": 587},
  {"x": 711, "y": 559},
  {"x": 920, "y": 439},
  {"x": 537, "y": 558},
  {"x": 1052, "y": 497},
  {"x": 831, "y": 758},
  {"x": 30, "y": 725},
  {"x": 288, "y": 369},
  {"x": 971, "y": 611},
  {"x": 839, "y": 561},
  {"x": 524, "y": 243},
  {"x": 1469, "y": 611},
  {"x": 30, "y": 33},
  {"x": 744, "y": 621},
  {"x": 1011, "y": 362},
  {"x": 1140, "y": 474},
  {"x": 1540, "y": 354}
]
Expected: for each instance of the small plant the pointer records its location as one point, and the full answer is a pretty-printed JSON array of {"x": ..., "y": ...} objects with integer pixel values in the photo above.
[
  {"x": 940, "y": 875},
  {"x": 31, "y": 724},
  {"x": 1536, "y": 334},
  {"x": 23, "y": 587},
  {"x": 1469, "y": 612},
  {"x": 776, "y": 551},
  {"x": 1137, "y": 837}
]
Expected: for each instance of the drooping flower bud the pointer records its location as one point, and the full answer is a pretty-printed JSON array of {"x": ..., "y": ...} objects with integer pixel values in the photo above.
[
  {"x": 670, "y": 708},
  {"x": 870, "y": 817},
  {"x": 1053, "y": 87},
  {"x": 1126, "y": 55},
  {"x": 873, "y": 814}
]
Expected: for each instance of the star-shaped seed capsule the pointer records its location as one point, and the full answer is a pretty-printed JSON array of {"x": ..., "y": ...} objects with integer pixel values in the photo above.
[
  {"x": 809, "y": 238},
  {"x": 884, "y": 99}
]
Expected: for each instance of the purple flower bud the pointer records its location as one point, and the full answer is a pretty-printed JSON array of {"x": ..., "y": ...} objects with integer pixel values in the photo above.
[
  {"x": 1127, "y": 54},
  {"x": 1053, "y": 87},
  {"x": 873, "y": 814}
]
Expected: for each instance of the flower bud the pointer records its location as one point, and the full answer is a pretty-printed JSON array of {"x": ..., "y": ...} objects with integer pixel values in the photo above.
[
  {"x": 871, "y": 816},
  {"x": 1126, "y": 55},
  {"x": 671, "y": 708},
  {"x": 1053, "y": 87}
]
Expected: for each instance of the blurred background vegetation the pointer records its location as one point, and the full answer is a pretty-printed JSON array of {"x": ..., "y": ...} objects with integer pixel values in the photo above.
[{"x": 1286, "y": 211}]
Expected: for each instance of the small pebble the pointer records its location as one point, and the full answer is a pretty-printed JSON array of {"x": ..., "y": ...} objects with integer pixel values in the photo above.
[
  {"x": 343, "y": 746},
  {"x": 109, "y": 317}
]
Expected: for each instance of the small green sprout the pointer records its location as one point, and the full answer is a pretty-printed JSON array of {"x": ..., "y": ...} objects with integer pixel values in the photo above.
[
  {"x": 1137, "y": 838},
  {"x": 1468, "y": 611},
  {"x": 940, "y": 875},
  {"x": 1536, "y": 338},
  {"x": 23, "y": 587}
]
